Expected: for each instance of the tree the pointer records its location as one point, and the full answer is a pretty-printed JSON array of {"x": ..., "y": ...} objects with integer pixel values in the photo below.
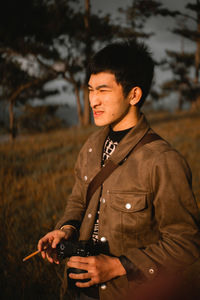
[
  {"x": 39, "y": 118},
  {"x": 91, "y": 31},
  {"x": 22, "y": 37},
  {"x": 180, "y": 64},
  {"x": 74, "y": 49},
  {"x": 192, "y": 34},
  {"x": 14, "y": 85},
  {"x": 61, "y": 42},
  {"x": 138, "y": 13},
  {"x": 136, "y": 16},
  {"x": 188, "y": 60}
]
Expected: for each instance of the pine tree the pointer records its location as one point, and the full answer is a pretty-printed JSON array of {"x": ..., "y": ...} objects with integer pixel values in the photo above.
[
  {"x": 180, "y": 63},
  {"x": 60, "y": 35},
  {"x": 26, "y": 34},
  {"x": 189, "y": 60}
]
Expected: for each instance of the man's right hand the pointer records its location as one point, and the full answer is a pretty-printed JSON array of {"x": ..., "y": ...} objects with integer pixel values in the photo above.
[{"x": 47, "y": 244}]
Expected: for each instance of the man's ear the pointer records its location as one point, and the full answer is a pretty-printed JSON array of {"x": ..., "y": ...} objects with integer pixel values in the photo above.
[{"x": 135, "y": 95}]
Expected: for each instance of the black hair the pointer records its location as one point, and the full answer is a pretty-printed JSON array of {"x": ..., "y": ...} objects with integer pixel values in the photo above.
[{"x": 129, "y": 61}]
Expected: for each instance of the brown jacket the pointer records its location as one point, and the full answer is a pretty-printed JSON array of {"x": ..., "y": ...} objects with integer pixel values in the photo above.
[{"x": 148, "y": 212}]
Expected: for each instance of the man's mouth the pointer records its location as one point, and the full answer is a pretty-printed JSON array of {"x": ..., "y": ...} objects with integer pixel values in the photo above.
[{"x": 97, "y": 113}]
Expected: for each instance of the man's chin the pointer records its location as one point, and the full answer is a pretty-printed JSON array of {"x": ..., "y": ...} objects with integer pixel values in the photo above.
[{"x": 100, "y": 123}]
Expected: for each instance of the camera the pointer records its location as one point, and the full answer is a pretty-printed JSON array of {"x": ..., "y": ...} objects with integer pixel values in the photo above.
[{"x": 68, "y": 248}]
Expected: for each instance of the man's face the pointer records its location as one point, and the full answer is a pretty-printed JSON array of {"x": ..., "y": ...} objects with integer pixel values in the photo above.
[{"x": 107, "y": 101}]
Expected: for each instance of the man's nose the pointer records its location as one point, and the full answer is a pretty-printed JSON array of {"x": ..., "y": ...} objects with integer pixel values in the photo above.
[{"x": 94, "y": 99}]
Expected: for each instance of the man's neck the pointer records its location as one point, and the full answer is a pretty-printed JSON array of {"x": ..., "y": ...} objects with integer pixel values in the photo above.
[{"x": 129, "y": 121}]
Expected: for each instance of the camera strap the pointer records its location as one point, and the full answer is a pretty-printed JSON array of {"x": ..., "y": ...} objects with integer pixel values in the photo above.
[{"x": 105, "y": 172}]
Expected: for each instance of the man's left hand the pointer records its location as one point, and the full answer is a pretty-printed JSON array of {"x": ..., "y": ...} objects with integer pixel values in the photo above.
[{"x": 100, "y": 268}]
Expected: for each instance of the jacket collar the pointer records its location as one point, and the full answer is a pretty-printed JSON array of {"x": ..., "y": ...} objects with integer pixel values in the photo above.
[
  {"x": 97, "y": 142},
  {"x": 125, "y": 146},
  {"x": 130, "y": 140}
]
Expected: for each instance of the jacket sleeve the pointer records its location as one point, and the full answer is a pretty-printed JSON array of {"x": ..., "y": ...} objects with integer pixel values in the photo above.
[
  {"x": 177, "y": 217},
  {"x": 75, "y": 208}
]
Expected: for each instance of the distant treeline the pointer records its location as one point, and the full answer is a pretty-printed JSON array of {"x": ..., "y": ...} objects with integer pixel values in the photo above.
[{"x": 49, "y": 39}]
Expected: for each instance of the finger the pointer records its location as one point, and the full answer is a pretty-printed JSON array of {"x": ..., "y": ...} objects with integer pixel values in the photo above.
[
  {"x": 49, "y": 258},
  {"x": 49, "y": 255},
  {"x": 43, "y": 243},
  {"x": 55, "y": 241},
  {"x": 78, "y": 265},
  {"x": 82, "y": 259},
  {"x": 43, "y": 254},
  {"x": 40, "y": 244},
  {"x": 80, "y": 275},
  {"x": 41, "y": 248},
  {"x": 85, "y": 284},
  {"x": 56, "y": 261},
  {"x": 55, "y": 257}
]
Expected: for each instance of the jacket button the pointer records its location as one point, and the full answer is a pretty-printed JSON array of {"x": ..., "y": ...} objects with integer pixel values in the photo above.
[
  {"x": 128, "y": 205},
  {"x": 103, "y": 286},
  {"x": 90, "y": 150},
  {"x": 151, "y": 271},
  {"x": 103, "y": 200},
  {"x": 89, "y": 216},
  {"x": 103, "y": 239},
  {"x": 85, "y": 178}
]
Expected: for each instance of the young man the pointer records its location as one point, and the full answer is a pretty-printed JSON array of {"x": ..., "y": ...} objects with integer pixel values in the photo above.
[{"x": 145, "y": 210}]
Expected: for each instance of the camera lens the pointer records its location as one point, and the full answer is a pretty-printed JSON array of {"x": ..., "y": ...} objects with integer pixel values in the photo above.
[{"x": 62, "y": 247}]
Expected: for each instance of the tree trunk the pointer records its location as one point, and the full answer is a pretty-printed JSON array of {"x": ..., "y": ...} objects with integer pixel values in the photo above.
[
  {"x": 71, "y": 79},
  {"x": 86, "y": 116},
  {"x": 87, "y": 14},
  {"x": 12, "y": 100},
  {"x": 180, "y": 101},
  {"x": 79, "y": 108}
]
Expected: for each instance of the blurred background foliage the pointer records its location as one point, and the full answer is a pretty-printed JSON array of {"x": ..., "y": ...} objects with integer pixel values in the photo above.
[{"x": 45, "y": 40}]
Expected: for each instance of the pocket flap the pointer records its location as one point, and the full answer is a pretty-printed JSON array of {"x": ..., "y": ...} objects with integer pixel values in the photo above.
[{"x": 128, "y": 202}]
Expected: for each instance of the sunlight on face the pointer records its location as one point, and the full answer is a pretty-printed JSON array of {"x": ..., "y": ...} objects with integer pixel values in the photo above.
[{"x": 108, "y": 103}]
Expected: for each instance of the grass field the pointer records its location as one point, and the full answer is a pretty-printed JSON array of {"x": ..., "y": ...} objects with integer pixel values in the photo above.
[{"x": 36, "y": 177}]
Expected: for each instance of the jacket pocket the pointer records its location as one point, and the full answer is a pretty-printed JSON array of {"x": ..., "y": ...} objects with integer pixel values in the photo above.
[
  {"x": 128, "y": 202},
  {"x": 130, "y": 213}
]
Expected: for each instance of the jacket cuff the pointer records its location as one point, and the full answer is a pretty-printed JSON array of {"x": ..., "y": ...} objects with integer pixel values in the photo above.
[
  {"x": 132, "y": 272},
  {"x": 74, "y": 223}
]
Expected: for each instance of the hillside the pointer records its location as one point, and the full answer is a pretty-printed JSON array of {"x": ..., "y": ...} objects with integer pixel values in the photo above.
[{"x": 36, "y": 177}]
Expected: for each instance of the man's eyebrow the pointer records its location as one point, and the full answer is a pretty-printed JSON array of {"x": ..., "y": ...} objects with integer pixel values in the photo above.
[{"x": 100, "y": 86}]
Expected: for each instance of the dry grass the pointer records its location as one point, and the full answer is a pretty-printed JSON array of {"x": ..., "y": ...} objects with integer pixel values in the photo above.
[{"x": 36, "y": 177}]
